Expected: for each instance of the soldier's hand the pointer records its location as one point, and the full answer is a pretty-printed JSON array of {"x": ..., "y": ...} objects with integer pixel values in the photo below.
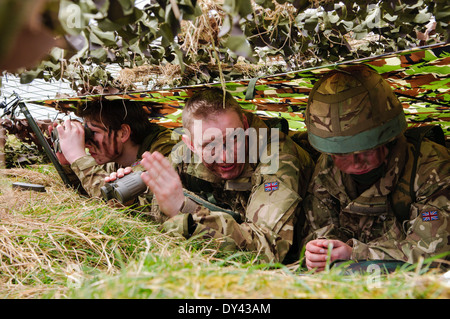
[
  {"x": 317, "y": 253},
  {"x": 59, "y": 155},
  {"x": 121, "y": 172},
  {"x": 164, "y": 182},
  {"x": 71, "y": 140}
]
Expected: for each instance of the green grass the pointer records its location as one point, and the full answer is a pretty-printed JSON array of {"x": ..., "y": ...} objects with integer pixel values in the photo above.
[{"x": 58, "y": 244}]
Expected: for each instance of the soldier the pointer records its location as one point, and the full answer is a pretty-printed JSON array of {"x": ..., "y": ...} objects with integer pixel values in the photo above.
[
  {"x": 121, "y": 132},
  {"x": 373, "y": 195},
  {"x": 249, "y": 203}
]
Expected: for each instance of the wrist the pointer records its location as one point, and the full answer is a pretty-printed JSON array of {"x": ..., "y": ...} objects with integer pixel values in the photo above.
[
  {"x": 189, "y": 206},
  {"x": 172, "y": 210}
]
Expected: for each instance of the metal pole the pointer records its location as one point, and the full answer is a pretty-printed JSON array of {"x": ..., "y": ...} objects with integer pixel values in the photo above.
[{"x": 44, "y": 143}]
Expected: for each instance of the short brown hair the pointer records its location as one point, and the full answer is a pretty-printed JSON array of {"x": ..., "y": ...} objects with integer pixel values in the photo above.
[
  {"x": 114, "y": 113},
  {"x": 209, "y": 102}
]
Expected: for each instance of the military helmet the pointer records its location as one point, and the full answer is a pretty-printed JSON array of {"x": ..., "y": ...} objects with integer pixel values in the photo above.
[{"x": 353, "y": 109}]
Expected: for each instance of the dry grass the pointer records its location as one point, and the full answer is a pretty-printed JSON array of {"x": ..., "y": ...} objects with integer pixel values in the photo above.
[
  {"x": 45, "y": 237},
  {"x": 58, "y": 244}
]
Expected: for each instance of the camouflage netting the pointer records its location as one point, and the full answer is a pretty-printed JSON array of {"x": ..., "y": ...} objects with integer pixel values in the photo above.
[{"x": 419, "y": 77}]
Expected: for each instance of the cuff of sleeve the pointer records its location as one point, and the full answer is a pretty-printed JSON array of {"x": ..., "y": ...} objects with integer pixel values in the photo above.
[
  {"x": 360, "y": 251},
  {"x": 189, "y": 206},
  {"x": 181, "y": 224},
  {"x": 83, "y": 163}
]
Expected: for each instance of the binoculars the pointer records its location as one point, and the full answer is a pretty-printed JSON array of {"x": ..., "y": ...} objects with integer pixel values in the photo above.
[
  {"x": 55, "y": 138},
  {"x": 124, "y": 189}
]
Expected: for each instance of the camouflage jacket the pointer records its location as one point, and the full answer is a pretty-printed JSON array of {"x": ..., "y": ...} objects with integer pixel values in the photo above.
[
  {"x": 261, "y": 208},
  {"x": 92, "y": 175},
  {"x": 369, "y": 222}
]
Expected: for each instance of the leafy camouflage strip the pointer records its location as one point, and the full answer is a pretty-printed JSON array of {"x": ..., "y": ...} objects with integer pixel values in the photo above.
[{"x": 418, "y": 76}]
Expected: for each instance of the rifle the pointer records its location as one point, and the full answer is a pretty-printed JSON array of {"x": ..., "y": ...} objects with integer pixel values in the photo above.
[{"x": 10, "y": 108}]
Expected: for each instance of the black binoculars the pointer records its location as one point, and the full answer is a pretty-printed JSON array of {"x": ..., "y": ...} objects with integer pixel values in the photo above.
[
  {"x": 55, "y": 138},
  {"x": 125, "y": 188}
]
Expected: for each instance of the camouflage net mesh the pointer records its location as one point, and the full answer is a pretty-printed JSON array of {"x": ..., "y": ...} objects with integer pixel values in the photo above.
[{"x": 418, "y": 76}]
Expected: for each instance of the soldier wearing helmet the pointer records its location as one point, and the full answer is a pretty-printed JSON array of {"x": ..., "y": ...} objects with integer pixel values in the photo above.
[{"x": 373, "y": 195}]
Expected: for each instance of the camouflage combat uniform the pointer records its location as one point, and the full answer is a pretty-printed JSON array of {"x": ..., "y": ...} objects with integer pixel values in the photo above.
[
  {"x": 368, "y": 222},
  {"x": 264, "y": 214},
  {"x": 91, "y": 175}
]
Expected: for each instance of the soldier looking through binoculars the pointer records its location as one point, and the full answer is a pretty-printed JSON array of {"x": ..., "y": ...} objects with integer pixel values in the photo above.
[{"x": 117, "y": 137}]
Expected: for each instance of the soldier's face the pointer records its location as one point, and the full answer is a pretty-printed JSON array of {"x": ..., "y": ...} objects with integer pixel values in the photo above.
[
  {"x": 105, "y": 145},
  {"x": 221, "y": 144},
  {"x": 361, "y": 162}
]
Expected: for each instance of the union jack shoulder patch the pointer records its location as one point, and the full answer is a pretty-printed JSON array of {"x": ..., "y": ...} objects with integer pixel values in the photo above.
[
  {"x": 136, "y": 163},
  {"x": 429, "y": 216},
  {"x": 271, "y": 186}
]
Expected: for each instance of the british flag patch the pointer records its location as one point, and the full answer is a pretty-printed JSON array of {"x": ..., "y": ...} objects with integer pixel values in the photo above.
[
  {"x": 429, "y": 216},
  {"x": 272, "y": 186}
]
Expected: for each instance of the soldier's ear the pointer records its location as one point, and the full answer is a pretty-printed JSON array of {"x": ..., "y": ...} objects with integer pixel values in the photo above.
[
  {"x": 124, "y": 133},
  {"x": 188, "y": 141},
  {"x": 245, "y": 122}
]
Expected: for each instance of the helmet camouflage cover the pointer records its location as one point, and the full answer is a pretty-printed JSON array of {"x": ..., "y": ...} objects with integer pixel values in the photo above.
[{"x": 353, "y": 109}]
